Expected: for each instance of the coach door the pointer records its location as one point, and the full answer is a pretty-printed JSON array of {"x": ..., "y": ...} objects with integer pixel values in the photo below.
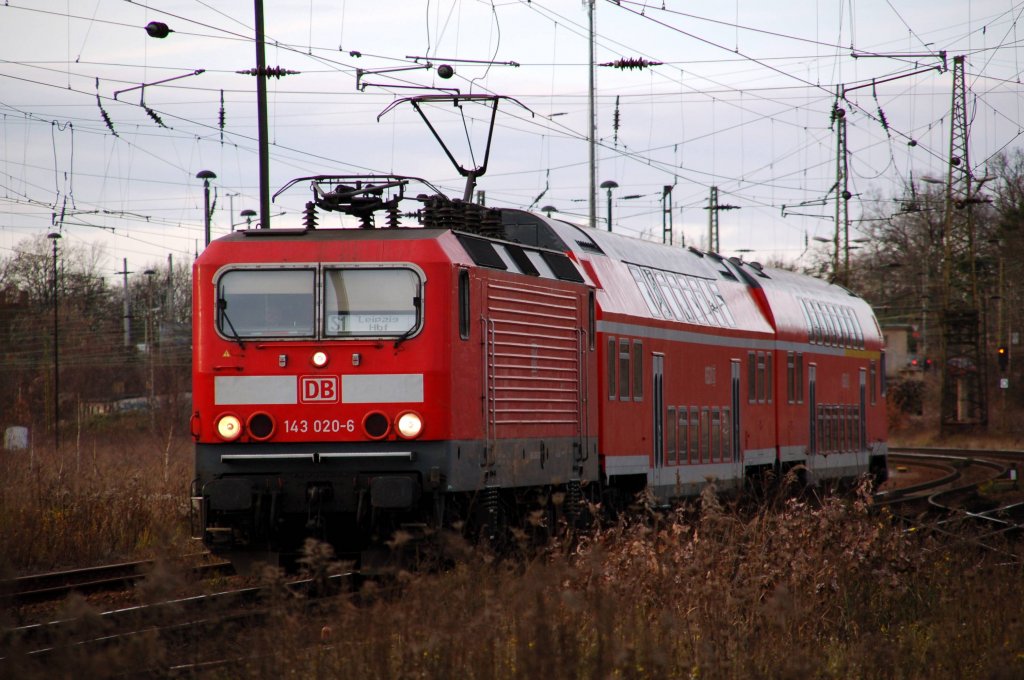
[
  {"x": 812, "y": 407},
  {"x": 658, "y": 404},
  {"x": 862, "y": 461},
  {"x": 734, "y": 440}
]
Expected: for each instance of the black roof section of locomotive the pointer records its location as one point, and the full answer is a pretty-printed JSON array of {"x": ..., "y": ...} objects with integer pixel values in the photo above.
[
  {"x": 484, "y": 252},
  {"x": 328, "y": 234}
]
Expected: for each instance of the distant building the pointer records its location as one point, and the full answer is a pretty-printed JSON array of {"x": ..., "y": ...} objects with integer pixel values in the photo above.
[{"x": 902, "y": 359}]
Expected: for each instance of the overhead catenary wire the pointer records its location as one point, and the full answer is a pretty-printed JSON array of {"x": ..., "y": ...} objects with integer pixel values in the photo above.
[{"x": 653, "y": 156}]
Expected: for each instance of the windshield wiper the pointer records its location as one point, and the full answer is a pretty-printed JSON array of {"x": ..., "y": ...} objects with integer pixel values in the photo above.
[
  {"x": 222, "y": 305},
  {"x": 416, "y": 323}
]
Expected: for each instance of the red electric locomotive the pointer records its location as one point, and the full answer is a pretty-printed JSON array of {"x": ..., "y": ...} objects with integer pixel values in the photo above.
[{"x": 482, "y": 363}]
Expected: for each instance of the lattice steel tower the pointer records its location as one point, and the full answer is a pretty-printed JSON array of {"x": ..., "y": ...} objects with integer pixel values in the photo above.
[{"x": 964, "y": 398}]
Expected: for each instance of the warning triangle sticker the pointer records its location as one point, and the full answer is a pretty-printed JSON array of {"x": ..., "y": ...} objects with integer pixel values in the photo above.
[{"x": 226, "y": 354}]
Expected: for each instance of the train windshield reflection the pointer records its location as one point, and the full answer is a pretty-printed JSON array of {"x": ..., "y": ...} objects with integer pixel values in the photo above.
[{"x": 371, "y": 302}]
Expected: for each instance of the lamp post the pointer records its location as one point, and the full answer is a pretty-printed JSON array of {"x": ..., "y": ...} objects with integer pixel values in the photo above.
[
  {"x": 609, "y": 184},
  {"x": 206, "y": 176},
  {"x": 54, "y": 236},
  {"x": 150, "y": 333},
  {"x": 248, "y": 214}
]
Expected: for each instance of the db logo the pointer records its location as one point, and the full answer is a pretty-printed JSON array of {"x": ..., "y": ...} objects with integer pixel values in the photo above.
[{"x": 318, "y": 388}]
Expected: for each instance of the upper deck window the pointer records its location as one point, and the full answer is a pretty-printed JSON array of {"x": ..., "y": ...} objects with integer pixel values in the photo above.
[
  {"x": 371, "y": 302},
  {"x": 260, "y": 303},
  {"x": 683, "y": 297}
]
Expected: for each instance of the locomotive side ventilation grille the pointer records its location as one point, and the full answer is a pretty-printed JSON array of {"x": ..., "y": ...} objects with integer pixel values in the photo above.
[{"x": 533, "y": 359}]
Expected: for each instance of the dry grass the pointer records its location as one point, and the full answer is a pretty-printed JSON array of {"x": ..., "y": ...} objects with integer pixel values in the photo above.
[
  {"x": 795, "y": 590},
  {"x": 112, "y": 494},
  {"x": 786, "y": 589}
]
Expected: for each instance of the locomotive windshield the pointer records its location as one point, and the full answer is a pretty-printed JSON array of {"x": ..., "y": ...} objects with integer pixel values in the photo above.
[
  {"x": 283, "y": 303},
  {"x": 266, "y": 303},
  {"x": 370, "y": 302}
]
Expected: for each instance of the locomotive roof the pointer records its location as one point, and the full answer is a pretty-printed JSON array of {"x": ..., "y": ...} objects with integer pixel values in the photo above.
[{"x": 330, "y": 234}]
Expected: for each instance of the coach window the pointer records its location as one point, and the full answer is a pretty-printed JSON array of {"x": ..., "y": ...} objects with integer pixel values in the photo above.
[
  {"x": 638, "y": 373},
  {"x": 726, "y": 434},
  {"x": 705, "y": 435},
  {"x": 612, "y": 364},
  {"x": 716, "y": 434},
  {"x": 464, "y": 304},
  {"x": 624, "y": 381},
  {"x": 261, "y": 303},
  {"x": 371, "y": 302},
  {"x": 671, "y": 445},
  {"x": 760, "y": 377},
  {"x": 684, "y": 435},
  {"x": 751, "y": 377},
  {"x": 694, "y": 434},
  {"x": 769, "y": 377},
  {"x": 790, "y": 377},
  {"x": 799, "y": 365},
  {"x": 873, "y": 373}
]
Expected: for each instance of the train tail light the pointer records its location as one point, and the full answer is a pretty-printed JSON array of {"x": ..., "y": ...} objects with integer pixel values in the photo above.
[
  {"x": 409, "y": 425},
  {"x": 229, "y": 427}
]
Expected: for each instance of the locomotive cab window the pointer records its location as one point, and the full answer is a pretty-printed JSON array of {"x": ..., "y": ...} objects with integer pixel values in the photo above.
[
  {"x": 262, "y": 303},
  {"x": 364, "y": 302}
]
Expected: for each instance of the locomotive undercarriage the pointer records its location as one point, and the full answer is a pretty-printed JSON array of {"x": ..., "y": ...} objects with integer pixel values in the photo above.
[{"x": 258, "y": 502}]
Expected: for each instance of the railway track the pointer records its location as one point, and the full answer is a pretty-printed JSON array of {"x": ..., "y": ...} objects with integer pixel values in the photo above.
[
  {"x": 972, "y": 496},
  {"x": 57, "y": 585},
  {"x": 182, "y": 627},
  {"x": 957, "y": 469}
]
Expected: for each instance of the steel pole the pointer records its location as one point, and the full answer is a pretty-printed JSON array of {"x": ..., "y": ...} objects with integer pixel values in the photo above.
[{"x": 261, "y": 113}]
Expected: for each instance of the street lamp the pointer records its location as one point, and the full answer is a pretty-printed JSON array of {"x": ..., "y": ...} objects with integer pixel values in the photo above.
[
  {"x": 206, "y": 176},
  {"x": 248, "y": 214},
  {"x": 54, "y": 236},
  {"x": 609, "y": 184}
]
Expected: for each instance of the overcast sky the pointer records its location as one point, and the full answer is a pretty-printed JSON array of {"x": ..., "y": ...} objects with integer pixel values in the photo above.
[{"x": 741, "y": 100}]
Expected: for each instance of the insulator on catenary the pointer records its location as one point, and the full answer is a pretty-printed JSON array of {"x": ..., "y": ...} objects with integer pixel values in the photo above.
[{"x": 309, "y": 215}]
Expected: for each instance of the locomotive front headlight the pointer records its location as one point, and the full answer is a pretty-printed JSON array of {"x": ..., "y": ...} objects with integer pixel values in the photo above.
[
  {"x": 409, "y": 425},
  {"x": 319, "y": 359},
  {"x": 229, "y": 427}
]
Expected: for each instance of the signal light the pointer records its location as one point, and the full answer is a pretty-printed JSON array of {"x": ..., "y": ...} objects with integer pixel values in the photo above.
[{"x": 1003, "y": 356}]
